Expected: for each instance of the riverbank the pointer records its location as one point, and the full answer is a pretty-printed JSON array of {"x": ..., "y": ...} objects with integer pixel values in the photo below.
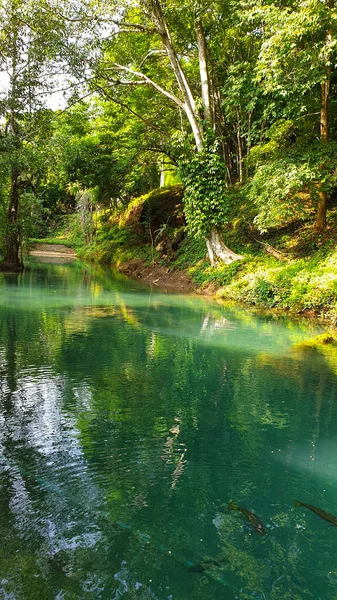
[
  {"x": 258, "y": 281},
  {"x": 291, "y": 269},
  {"x": 250, "y": 287},
  {"x": 157, "y": 275}
]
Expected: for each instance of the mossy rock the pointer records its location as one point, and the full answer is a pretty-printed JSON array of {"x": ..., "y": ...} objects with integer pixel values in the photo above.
[
  {"x": 325, "y": 339},
  {"x": 160, "y": 207}
]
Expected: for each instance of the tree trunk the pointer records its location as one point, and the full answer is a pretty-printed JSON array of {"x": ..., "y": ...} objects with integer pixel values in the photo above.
[
  {"x": 12, "y": 260},
  {"x": 320, "y": 223},
  {"x": 240, "y": 149},
  {"x": 189, "y": 102},
  {"x": 203, "y": 69},
  {"x": 218, "y": 252},
  {"x": 249, "y": 132}
]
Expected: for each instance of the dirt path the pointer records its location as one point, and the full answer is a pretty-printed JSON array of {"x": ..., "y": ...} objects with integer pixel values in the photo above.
[{"x": 52, "y": 250}]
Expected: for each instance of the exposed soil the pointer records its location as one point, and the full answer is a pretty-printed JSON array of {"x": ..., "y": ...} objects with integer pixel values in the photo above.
[{"x": 159, "y": 276}]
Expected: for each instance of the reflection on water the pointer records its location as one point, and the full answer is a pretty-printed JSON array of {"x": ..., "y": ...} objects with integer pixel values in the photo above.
[{"x": 129, "y": 420}]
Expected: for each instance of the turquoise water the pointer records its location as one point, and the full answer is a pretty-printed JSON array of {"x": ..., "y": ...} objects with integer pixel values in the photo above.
[{"x": 128, "y": 421}]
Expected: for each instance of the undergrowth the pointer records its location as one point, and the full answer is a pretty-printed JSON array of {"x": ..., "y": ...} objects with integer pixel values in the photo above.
[{"x": 305, "y": 279}]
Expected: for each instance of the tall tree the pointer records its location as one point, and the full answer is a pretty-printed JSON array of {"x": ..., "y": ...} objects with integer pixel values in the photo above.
[
  {"x": 25, "y": 52},
  {"x": 324, "y": 114},
  {"x": 167, "y": 30},
  {"x": 296, "y": 65}
]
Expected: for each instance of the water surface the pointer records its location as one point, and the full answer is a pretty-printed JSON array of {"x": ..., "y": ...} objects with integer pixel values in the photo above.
[{"x": 130, "y": 418}]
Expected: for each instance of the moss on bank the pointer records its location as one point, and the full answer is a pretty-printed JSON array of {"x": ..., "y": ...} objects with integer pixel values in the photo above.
[
  {"x": 324, "y": 345},
  {"x": 151, "y": 230},
  {"x": 318, "y": 342}
]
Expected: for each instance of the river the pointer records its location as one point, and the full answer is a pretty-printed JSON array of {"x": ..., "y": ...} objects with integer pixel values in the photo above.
[{"x": 130, "y": 418}]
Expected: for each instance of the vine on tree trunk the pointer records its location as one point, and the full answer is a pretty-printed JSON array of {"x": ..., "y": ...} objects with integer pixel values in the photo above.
[{"x": 205, "y": 196}]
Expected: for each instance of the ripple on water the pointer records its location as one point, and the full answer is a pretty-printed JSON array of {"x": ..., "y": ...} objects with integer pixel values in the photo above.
[{"x": 127, "y": 423}]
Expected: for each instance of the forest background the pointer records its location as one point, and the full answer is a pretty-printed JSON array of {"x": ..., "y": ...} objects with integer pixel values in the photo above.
[{"x": 199, "y": 135}]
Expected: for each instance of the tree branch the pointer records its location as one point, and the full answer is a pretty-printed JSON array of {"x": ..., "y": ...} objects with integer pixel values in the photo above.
[
  {"x": 161, "y": 151},
  {"x": 125, "y": 82},
  {"x": 151, "y": 53},
  {"x": 143, "y": 119},
  {"x": 137, "y": 27},
  {"x": 152, "y": 83}
]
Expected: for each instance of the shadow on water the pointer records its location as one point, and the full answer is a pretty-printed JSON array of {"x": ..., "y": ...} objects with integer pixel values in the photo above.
[{"x": 129, "y": 419}]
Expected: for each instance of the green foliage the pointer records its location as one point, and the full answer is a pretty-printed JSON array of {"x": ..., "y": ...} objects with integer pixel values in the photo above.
[
  {"x": 295, "y": 51},
  {"x": 299, "y": 285},
  {"x": 284, "y": 184},
  {"x": 206, "y": 199},
  {"x": 276, "y": 190},
  {"x": 219, "y": 276},
  {"x": 171, "y": 177},
  {"x": 191, "y": 253},
  {"x": 32, "y": 214},
  {"x": 263, "y": 291},
  {"x": 98, "y": 146},
  {"x": 132, "y": 232},
  {"x": 58, "y": 241},
  {"x": 262, "y": 166}
]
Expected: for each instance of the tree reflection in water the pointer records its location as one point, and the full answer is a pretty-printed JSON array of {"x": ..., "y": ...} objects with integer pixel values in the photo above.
[{"x": 128, "y": 421}]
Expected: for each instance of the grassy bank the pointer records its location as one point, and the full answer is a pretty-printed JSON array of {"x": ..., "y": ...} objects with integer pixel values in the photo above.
[{"x": 292, "y": 268}]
